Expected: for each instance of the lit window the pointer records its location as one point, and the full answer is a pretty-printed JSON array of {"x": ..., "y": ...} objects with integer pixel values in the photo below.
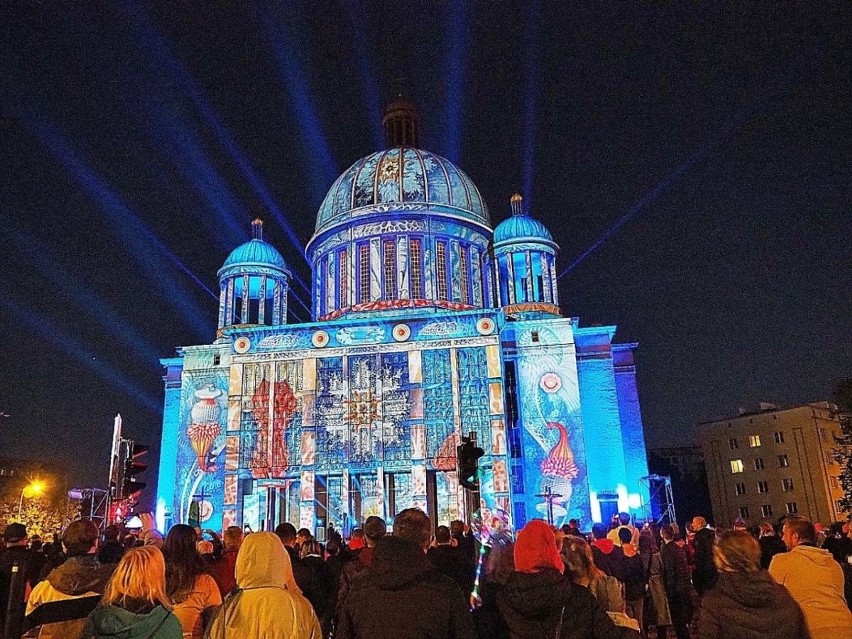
[
  {"x": 534, "y": 336},
  {"x": 744, "y": 512},
  {"x": 364, "y": 273},
  {"x": 342, "y": 280},
  {"x": 787, "y": 485},
  {"x": 754, "y": 441},
  {"x": 463, "y": 281},
  {"x": 389, "y": 252},
  {"x": 441, "y": 266},
  {"x": 415, "y": 260},
  {"x": 763, "y": 487},
  {"x": 733, "y": 444},
  {"x": 779, "y": 437},
  {"x": 792, "y": 508},
  {"x": 766, "y": 509},
  {"x": 736, "y": 465},
  {"x": 758, "y": 463},
  {"x": 741, "y": 489},
  {"x": 783, "y": 462}
]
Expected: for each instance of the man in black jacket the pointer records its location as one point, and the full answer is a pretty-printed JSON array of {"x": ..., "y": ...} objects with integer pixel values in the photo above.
[
  {"x": 676, "y": 581},
  {"x": 704, "y": 576},
  {"x": 306, "y": 575},
  {"x": 403, "y": 594},
  {"x": 16, "y": 552}
]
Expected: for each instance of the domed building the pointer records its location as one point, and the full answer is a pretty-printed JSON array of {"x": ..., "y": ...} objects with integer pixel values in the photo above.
[{"x": 429, "y": 328}]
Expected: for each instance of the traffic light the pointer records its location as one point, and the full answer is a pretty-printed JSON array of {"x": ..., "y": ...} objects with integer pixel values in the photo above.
[
  {"x": 468, "y": 457},
  {"x": 131, "y": 465}
]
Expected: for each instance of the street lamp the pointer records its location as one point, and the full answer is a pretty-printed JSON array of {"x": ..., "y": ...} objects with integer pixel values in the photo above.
[{"x": 35, "y": 488}]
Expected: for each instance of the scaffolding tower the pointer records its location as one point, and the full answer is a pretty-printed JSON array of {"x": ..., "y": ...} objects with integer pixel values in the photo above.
[{"x": 660, "y": 507}]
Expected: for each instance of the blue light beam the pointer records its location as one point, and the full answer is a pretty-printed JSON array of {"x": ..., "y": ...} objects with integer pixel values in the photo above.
[
  {"x": 80, "y": 353},
  {"x": 531, "y": 75},
  {"x": 369, "y": 87},
  {"x": 455, "y": 68}
]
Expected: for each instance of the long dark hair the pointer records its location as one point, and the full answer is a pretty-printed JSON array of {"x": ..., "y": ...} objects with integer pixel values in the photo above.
[{"x": 183, "y": 563}]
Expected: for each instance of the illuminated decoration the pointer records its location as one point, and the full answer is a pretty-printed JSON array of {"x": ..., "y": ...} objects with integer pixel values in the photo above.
[{"x": 428, "y": 327}]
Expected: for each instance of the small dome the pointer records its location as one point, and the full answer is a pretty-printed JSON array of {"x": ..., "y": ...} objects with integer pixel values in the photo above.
[
  {"x": 253, "y": 254},
  {"x": 401, "y": 175},
  {"x": 520, "y": 227}
]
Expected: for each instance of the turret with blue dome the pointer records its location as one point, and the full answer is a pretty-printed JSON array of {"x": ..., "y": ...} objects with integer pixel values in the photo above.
[
  {"x": 402, "y": 228},
  {"x": 525, "y": 263},
  {"x": 253, "y": 284}
]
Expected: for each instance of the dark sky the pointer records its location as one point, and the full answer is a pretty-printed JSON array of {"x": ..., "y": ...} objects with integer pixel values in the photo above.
[{"x": 711, "y": 140}]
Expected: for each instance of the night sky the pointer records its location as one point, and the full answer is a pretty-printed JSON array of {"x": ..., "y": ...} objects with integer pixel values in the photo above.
[{"x": 691, "y": 159}]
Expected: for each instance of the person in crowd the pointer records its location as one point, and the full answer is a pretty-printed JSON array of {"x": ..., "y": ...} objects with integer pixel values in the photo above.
[
  {"x": 205, "y": 549},
  {"x": 579, "y": 559},
  {"x": 223, "y": 568},
  {"x": 572, "y": 528},
  {"x": 194, "y": 593},
  {"x": 463, "y": 539},
  {"x": 770, "y": 544},
  {"x": 704, "y": 574},
  {"x": 111, "y": 550},
  {"x": 310, "y": 582},
  {"x": 647, "y": 547},
  {"x": 538, "y": 600},
  {"x": 446, "y": 558},
  {"x": 135, "y": 600},
  {"x": 307, "y": 545},
  {"x": 152, "y": 537},
  {"x": 498, "y": 565},
  {"x": 814, "y": 580},
  {"x": 82, "y": 575},
  {"x": 357, "y": 541},
  {"x": 740, "y": 524},
  {"x": 658, "y": 613},
  {"x": 746, "y": 602},
  {"x": 675, "y": 574},
  {"x": 375, "y": 529},
  {"x": 608, "y": 557},
  {"x": 16, "y": 552},
  {"x": 267, "y": 602},
  {"x": 623, "y": 522},
  {"x": 634, "y": 577},
  {"x": 402, "y": 593}
]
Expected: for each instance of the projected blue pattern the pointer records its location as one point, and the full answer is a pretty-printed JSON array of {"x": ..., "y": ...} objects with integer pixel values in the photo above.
[{"x": 360, "y": 412}]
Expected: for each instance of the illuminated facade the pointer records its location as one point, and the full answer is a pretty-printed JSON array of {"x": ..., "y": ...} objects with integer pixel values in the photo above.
[{"x": 427, "y": 325}]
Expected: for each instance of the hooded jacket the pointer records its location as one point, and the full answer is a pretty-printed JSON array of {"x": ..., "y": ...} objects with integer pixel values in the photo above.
[
  {"x": 115, "y": 622},
  {"x": 532, "y": 603},
  {"x": 403, "y": 595},
  {"x": 815, "y": 581},
  {"x": 267, "y": 603},
  {"x": 609, "y": 558},
  {"x": 749, "y": 606},
  {"x": 82, "y": 576}
]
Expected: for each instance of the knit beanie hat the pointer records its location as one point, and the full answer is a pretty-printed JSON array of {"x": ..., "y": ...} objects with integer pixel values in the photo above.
[{"x": 535, "y": 548}]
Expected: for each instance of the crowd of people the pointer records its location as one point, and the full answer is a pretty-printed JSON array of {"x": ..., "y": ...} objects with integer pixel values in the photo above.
[{"x": 415, "y": 580}]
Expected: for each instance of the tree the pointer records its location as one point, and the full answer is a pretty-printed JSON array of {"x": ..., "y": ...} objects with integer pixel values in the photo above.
[
  {"x": 41, "y": 515},
  {"x": 842, "y": 396}
]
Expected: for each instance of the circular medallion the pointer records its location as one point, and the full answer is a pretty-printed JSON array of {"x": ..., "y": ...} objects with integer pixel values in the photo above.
[
  {"x": 485, "y": 326},
  {"x": 401, "y": 332},
  {"x": 550, "y": 382},
  {"x": 242, "y": 345},
  {"x": 320, "y": 339}
]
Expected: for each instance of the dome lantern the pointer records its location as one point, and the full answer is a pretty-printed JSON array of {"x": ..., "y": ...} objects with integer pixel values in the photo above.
[
  {"x": 401, "y": 124},
  {"x": 254, "y": 283},
  {"x": 525, "y": 264}
]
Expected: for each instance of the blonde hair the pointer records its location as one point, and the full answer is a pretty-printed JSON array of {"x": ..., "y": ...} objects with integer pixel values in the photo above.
[
  {"x": 736, "y": 551},
  {"x": 141, "y": 574}
]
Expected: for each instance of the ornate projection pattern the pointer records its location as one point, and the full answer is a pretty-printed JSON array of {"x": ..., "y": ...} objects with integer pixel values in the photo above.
[
  {"x": 329, "y": 413},
  {"x": 254, "y": 418},
  {"x": 362, "y": 408},
  {"x": 287, "y": 416},
  {"x": 438, "y": 406},
  {"x": 396, "y": 431},
  {"x": 473, "y": 391}
]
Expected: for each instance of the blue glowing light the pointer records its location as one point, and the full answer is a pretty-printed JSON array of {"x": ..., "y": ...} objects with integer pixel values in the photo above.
[
  {"x": 531, "y": 72},
  {"x": 369, "y": 88},
  {"x": 455, "y": 68},
  {"x": 143, "y": 245},
  {"x": 283, "y": 38},
  {"x": 78, "y": 352}
]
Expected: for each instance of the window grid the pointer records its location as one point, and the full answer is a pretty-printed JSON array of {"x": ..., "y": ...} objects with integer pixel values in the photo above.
[
  {"x": 792, "y": 508},
  {"x": 389, "y": 253},
  {"x": 744, "y": 512},
  {"x": 342, "y": 280},
  {"x": 441, "y": 266},
  {"x": 758, "y": 463},
  {"x": 415, "y": 259},
  {"x": 787, "y": 485},
  {"x": 754, "y": 441},
  {"x": 763, "y": 487},
  {"x": 766, "y": 509},
  {"x": 736, "y": 465},
  {"x": 733, "y": 444},
  {"x": 364, "y": 273},
  {"x": 741, "y": 488},
  {"x": 463, "y": 280},
  {"x": 779, "y": 437},
  {"x": 783, "y": 462}
]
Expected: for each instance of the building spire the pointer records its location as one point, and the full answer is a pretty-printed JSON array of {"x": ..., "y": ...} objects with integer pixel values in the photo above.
[
  {"x": 401, "y": 123},
  {"x": 517, "y": 204},
  {"x": 257, "y": 229}
]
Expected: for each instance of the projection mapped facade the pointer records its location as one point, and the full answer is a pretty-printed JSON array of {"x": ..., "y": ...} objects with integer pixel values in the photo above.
[{"x": 427, "y": 325}]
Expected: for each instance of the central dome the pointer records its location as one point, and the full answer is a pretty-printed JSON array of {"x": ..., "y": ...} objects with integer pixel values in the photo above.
[{"x": 401, "y": 178}]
